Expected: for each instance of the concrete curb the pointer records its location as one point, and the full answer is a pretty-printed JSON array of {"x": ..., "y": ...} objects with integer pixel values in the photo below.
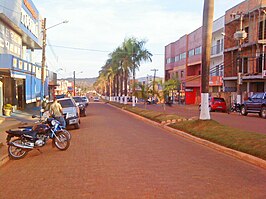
[{"x": 237, "y": 154}]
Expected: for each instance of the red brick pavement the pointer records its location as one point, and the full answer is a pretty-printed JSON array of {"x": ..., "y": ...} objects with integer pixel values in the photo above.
[{"x": 114, "y": 155}]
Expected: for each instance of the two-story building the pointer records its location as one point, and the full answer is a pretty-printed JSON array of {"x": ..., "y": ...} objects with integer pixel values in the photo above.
[
  {"x": 20, "y": 35},
  {"x": 244, "y": 65},
  {"x": 183, "y": 60}
]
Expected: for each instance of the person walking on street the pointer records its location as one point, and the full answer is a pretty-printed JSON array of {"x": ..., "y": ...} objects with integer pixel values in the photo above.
[{"x": 56, "y": 111}]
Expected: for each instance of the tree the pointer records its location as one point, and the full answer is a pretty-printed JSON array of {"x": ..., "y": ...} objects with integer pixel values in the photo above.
[
  {"x": 169, "y": 86},
  {"x": 140, "y": 54}
]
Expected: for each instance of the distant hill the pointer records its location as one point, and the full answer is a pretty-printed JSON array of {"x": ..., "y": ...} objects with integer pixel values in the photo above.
[{"x": 84, "y": 82}]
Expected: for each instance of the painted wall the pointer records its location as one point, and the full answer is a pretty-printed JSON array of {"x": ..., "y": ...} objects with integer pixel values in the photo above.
[{"x": 20, "y": 69}]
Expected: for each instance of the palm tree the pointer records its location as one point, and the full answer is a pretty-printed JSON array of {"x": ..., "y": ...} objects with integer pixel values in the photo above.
[
  {"x": 140, "y": 54},
  {"x": 123, "y": 60}
]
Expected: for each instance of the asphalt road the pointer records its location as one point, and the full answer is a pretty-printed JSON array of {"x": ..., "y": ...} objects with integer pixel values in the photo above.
[{"x": 114, "y": 155}]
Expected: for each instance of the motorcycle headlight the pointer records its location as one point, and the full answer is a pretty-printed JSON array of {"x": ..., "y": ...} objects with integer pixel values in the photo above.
[{"x": 53, "y": 122}]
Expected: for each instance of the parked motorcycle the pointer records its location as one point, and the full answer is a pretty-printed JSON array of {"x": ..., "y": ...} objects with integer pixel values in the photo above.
[
  {"x": 48, "y": 121},
  {"x": 236, "y": 107},
  {"x": 28, "y": 139}
]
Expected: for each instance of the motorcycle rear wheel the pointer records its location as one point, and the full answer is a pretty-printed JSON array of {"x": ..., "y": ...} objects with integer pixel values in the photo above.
[
  {"x": 61, "y": 141},
  {"x": 16, "y": 153}
]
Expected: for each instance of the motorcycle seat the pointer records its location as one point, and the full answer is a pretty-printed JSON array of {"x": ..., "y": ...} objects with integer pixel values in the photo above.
[
  {"x": 19, "y": 132},
  {"x": 25, "y": 127}
]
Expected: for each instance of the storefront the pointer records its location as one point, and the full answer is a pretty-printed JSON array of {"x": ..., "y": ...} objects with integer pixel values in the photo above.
[
  {"x": 20, "y": 35},
  {"x": 21, "y": 81}
]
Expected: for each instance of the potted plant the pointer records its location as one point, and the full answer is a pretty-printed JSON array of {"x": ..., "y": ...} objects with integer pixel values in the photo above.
[{"x": 8, "y": 108}]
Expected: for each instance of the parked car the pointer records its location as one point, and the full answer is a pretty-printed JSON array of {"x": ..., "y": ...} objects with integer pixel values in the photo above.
[
  {"x": 86, "y": 100},
  {"x": 216, "y": 104},
  {"x": 60, "y": 96},
  {"x": 255, "y": 104},
  {"x": 96, "y": 99},
  {"x": 71, "y": 112},
  {"x": 81, "y": 104}
]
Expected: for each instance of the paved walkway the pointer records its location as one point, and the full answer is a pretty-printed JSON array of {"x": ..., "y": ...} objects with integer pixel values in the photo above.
[{"x": 113, "y": 155}]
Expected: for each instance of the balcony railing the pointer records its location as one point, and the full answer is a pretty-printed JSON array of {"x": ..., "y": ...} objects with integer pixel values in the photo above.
[{"x": 217, "y": 49}]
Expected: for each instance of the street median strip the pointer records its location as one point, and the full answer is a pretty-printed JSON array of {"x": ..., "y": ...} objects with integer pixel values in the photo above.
[{"x": 248, "y": 146}]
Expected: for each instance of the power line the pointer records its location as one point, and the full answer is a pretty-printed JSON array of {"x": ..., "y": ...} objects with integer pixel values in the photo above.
[{"x": 86, "y": 49}]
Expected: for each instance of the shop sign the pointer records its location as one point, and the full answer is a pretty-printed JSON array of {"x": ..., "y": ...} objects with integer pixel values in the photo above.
[{"x": 29, "y": 23}]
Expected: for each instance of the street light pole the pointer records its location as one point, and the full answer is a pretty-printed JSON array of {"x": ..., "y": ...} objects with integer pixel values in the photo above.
[
  {"x": 74, "y": 83},
  {"x": 239, "y": 35},
  {"x": 43, "y": 73},
  {"x": 43, "y": 57},
  {"x": 154, "y": 80}
]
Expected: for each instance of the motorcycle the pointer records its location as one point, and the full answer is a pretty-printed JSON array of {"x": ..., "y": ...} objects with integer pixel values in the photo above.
[
  {"x": 47, "y": 120},
  {"x": 27, "y": 139},
  {"x": 236, "y": 107}
]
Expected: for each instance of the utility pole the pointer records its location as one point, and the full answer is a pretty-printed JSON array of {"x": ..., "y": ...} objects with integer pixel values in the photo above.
[
  {"x": 206, "y": 55},
  {"x": 239, "y": 35},
  {"x": 154, "y": 80},
  {"x": 74, "y": 83},
  {"x": 43, "y": 61}
]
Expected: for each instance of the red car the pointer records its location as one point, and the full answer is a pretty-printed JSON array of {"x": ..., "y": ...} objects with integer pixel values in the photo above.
[{"x": 217, "y": 104}]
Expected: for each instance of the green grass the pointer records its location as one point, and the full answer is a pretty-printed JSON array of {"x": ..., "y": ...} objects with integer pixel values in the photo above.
[{"x": 248, "y": 142}]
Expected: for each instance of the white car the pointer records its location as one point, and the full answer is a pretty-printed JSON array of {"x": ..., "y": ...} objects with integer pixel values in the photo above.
[{"x": 96, "y": 99}]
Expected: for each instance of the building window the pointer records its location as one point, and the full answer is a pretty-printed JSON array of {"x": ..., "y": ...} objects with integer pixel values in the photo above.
[
  {"x": 218, "y": 46},
  {"x": 198, "y": 50},
  {"x": 182, "y": 74},
  {"x": 259, "y": 64},
  {"x": 176, "y": 58},
  {"x": 191, "y": 53},
  {"x": 245, "y": 65},
  {"x": 183, "y": 56},
  {"x": 170, "y": 60},
  {"x": 261, "y": 27}
]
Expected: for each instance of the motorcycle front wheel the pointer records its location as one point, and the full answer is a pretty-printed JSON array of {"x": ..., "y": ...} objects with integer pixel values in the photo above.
[
  {"x": 16, "y": 153},
  {"x": 68, "y": 133},
  {"x": 61, "y": 140}
]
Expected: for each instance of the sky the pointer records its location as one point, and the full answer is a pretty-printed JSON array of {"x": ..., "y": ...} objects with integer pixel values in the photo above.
[{"x": 96, "y": 28}]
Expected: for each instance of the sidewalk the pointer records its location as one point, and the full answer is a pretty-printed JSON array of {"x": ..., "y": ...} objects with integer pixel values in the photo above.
[{"x": 17, "y": 118}]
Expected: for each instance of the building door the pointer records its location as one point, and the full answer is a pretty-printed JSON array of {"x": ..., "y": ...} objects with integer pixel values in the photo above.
[
  {"x": 190, "y": 96},
  {"x": 21, "y": 94}
]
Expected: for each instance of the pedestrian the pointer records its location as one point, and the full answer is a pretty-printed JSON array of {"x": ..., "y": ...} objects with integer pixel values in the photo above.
[
  {"x": 56, "y": 111},
  {"x": 45, "y": 104}
]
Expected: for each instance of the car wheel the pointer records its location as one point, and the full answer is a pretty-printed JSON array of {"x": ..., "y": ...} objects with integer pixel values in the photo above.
[
  {"x": 77, "y": 126},
  {"x": 243, "y": 110},
  {"x": 263, "y": 112}
]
